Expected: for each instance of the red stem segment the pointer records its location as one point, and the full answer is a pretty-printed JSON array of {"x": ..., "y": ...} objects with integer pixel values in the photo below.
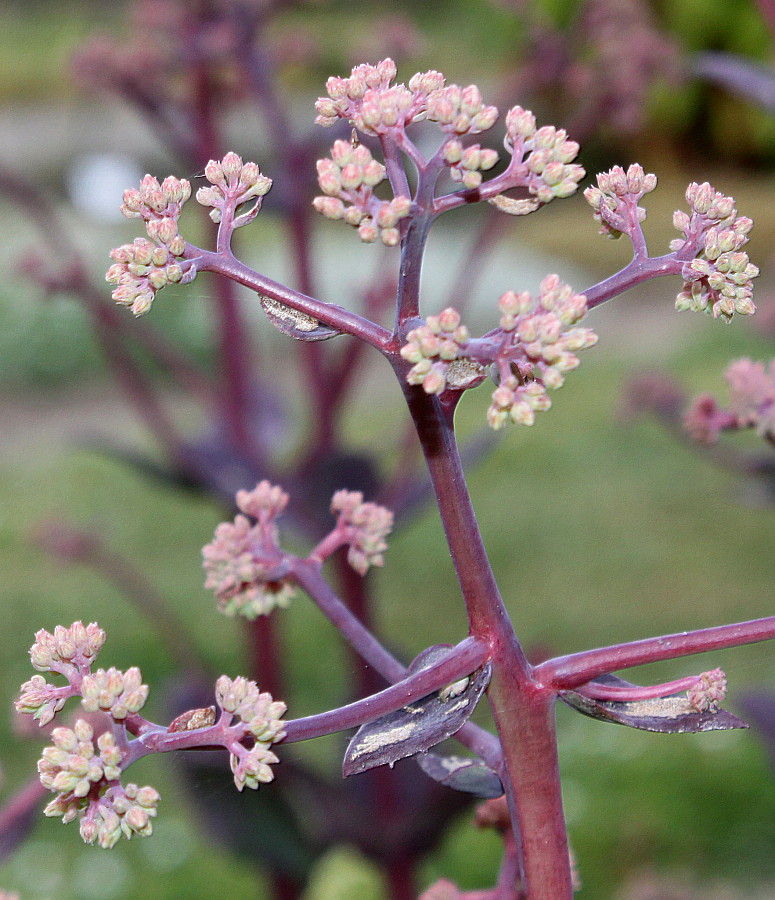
[
  {"x": 468, "y": 656},
  {"x": 567, "y": 672},
  {"x": 523, "y": 711}
]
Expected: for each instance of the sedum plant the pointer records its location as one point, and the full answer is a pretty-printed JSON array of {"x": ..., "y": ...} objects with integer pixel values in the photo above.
[{"x": 390, "y": 183}]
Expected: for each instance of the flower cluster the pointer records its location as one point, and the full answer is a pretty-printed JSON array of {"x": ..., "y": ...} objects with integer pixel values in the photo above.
[
  {"x": 540, "y": 351},
  {"x": 460, "y": 110},
  {"x": 85, "y": 780},
  {"x": 371, "y": 103},
  {"x": 718, "y": 281},
  {"x": 67, "y": 649},
  {"x": 348, "y": 179},
  {"x": 232, "y": 184},
  {"x": 615, "y": 199},
  {"x": 145, "y": 266},
  {"x": 365, "y": 527},
  {"x": 709, "y": 691},
  {"x": 261, "y": 714},
  {"x": 532, "y": 350},
  {"x": 432, "y": 347},
  {"x": 69, "y": 652},
  {"x": 243, "y": 559},
  {"x": 751, "y": 403},
  {"x": 542, "y": 161},
  {"x": 117, "y": 693},
  {"x": 466, "y": 164}
]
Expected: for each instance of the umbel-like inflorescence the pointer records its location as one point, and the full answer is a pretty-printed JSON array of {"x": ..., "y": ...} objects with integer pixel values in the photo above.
[
  {"x": 709, "y": 691},
  {"x": 84, "y": 764},
  {"x": 249, "y": 573},
  {"x": 717, "y": 274},
  {"x": 532, "y": 350},
  {"x": 541, "y": 159},
  {"x": 348, "y": 180},
  {"x": 751, "y": 404},
  {"x": 84, "y": 775},
  {"x": 363, "y": 527},
  {"x": 244, "y": 564},
  {"x": 261, "y": 715},
  {"x": 145, "y": 266}
]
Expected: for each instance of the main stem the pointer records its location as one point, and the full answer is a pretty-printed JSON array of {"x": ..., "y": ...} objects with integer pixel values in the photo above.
[{"x": 523, "y": 710}]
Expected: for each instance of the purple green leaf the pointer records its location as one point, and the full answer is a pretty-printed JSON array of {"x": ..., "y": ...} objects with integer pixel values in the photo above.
[
  {"x": 667, "y": 715},
  {"x": 462, "y": 773},
  {"x": 417, "y": 727}
]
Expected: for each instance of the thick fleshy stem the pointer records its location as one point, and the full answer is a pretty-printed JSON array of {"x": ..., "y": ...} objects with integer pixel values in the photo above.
[
  {"x": 568, "y": 672},
  {"x": 523, "y": 710}
]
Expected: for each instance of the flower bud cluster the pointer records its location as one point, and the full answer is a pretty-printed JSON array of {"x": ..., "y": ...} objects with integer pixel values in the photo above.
[
  {"x": 616, "y": 196},
  {"x": 242, "y": 560},
  {"x": 348, "y": 179},
  {"x": 85, "y": 780},
  {"x": 233, "y": 183},
  {"x": 258, "y": 711},
  {"x": 144, "y": 267},
  {"x": 261, "y": 714},
  {"x": 121, "y": 811},
  {"x": 71, "y": 766},
  {"x": 543, "y": 160},
  {"x": 42, "y": 700},
  {"x": 154, "y": 201},
  {"x": 371, "y": 103},
  {"x": 540, "y": 349},
  {"x": 76, "y": 646},
  {"x": 117, "y": 693},
  {"x": 719, "y": 280},
  {"x": 432, "y": 347},
  {"x": 366, "y": 526},
  {"x": 460, "y": 110},
  {"x": 709, "y": 691},
  {"x": 466, "y": 164}
]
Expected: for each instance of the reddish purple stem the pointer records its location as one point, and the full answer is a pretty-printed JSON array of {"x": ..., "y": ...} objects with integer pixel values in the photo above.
[{"x": 567, "y": 672}]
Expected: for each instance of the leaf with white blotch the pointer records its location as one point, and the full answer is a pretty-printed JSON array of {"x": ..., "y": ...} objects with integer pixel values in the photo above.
[
  {"x": 667, "y": 715},
  {"x": 418, "y": 726},
  {"x": 293, "y": 323},
  {"x": 468, "y": 774}
]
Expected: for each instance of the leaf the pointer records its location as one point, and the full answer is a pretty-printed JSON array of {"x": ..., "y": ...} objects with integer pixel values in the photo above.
[
  {"x": 416, "y": 727},
  {"x": 295, "y": 324},
  {"x": 668, "y": 715},
  {"x": 462, "y": 773}
]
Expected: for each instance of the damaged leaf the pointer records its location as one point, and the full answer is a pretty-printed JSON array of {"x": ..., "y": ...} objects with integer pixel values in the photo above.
[
  {"x": 668, "y": 715},
  {"x": 293, "y": 323},
  {"x": 421, "y": 724},
  {"x": 462, "y": 773}
]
